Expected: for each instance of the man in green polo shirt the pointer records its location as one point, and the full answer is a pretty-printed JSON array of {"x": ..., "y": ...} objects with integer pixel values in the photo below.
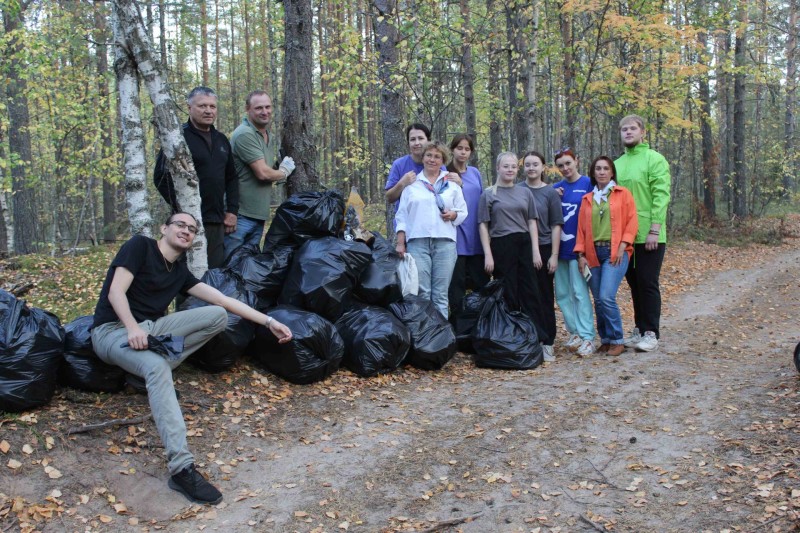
[{"x": 255, "y": 152}]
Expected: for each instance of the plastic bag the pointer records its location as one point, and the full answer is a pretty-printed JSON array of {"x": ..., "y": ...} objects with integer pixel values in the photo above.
[
  {"x": 409, "y": 277},
  {"x": 433, "y": 342},
  {"x": 375, "y": 341},
  {"x": 314, "y": 353},
  {"x": 31, "y": 351},
  {"x": 222, "y": 351},
  {"x": 353, "y": 214},
  {"x": 262, "y": 273},
  {"x": 502, "y": 338},
  {"x": 305, "y": 216},
  {"x": 464, "y": 322},
  {"x": 82, "y": 369},
  {"x": 379, "y": 283},
  {"x": 323, "y": 275}
]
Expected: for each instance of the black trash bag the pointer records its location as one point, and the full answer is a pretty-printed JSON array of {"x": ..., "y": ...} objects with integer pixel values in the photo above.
[
  {"x": 375, "y": 341},
  {"x": 433, "y": 342},
  {"x": 82, "y": 369},
  {"x": 31, "y": 351},
  {"x": 379, "y": 284},
  {"x": 464, "y": 321},
  {"x": 323, "y": 275},
  {"x": 502, "y": 338},
  {"x": 222, "y": 351},
  {"x": 314, "y": 353},
  {"x": 304, "y": 216},
  {"x": 262, "y": 273}
]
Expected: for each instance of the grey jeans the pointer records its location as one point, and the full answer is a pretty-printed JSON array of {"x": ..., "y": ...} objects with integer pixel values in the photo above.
[{"x": 197, "y": 326}]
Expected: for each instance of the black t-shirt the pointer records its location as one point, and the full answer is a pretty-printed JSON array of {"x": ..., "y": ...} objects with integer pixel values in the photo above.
[{"x": 153, "y": 286}]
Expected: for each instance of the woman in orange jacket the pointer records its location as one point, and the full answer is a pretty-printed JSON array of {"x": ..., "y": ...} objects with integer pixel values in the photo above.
[{"x": 607, "y": 225}]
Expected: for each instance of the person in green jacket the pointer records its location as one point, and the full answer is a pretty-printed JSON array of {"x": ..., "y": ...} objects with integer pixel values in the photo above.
[{"x": 645, "y": 173}]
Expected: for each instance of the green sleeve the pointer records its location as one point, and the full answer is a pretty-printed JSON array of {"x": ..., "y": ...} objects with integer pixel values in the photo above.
[
  {"x": 659, "y": 189},
  {"x": 248, "y": 147}
]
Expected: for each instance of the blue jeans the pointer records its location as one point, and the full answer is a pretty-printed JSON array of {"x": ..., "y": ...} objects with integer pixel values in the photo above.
[
  {"x": 435, "y": 260},
  {"x": 604, "y": 284},
  {"x": 248, "y": 231},
  {"x": 572, "y": 295}
]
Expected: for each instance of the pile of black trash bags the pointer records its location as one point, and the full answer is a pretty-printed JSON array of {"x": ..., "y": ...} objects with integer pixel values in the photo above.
[{"x": 341, "y": 298}]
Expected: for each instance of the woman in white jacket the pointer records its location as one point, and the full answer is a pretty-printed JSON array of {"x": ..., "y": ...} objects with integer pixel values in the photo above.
[{"x": 429, "y": 211}]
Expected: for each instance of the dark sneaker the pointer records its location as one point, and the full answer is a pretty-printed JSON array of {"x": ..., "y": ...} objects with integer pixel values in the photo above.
[{"x": 194, "y": 486}]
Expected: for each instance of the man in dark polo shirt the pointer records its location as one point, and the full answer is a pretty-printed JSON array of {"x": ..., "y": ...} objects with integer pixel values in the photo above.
[
  {"x": 213, "y": 161},
  {"x": 142, "y": 280}
]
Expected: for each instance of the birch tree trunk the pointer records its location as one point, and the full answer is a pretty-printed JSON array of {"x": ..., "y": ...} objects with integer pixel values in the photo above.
[
  {"x": 132, "y": 133},
  {"x": 137, "y": 47}
]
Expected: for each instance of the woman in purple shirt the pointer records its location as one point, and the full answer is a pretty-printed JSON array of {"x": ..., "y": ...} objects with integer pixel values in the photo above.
[{"x": 469, "y": 272}]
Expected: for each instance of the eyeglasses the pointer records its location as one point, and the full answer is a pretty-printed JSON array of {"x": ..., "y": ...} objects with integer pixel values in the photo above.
[
  {"x": 562, "y": 151},
  {"x": 183, "y": 225}
]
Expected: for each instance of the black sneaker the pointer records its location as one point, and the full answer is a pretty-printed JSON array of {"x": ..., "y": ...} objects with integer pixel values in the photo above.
[{"x": 194, "y": 486}]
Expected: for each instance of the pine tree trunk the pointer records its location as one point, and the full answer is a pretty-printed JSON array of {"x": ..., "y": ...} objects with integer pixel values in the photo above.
[
  {"x": 530, "y": 89},
  {"x": 394, "y": 142},
  {"x": 739, "y": 166},
  {"x": 106, "y": 147},
  {"x": 204, "y": 40},
  {"x": 24, "y": 227},
  {"x": 468, "y": 80},
  {"x": 792, "y": 169},
  {"x": 298, "y": 110}
]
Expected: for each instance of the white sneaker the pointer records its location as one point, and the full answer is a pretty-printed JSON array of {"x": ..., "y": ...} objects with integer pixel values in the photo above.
[
  {"x": 549, "y": 356},
  {"x": 648, "y": 343},
  {"x": 586, "y": 348},
  {"x": 573, "y": 342},
  {"x": 634, "y": 339}
]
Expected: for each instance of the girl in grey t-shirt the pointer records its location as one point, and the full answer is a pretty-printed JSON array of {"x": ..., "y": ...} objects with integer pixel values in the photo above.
[{"x": 510, "y": 238}]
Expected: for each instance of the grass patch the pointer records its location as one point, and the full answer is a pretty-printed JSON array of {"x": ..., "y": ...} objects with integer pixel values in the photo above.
[{"x": 730, "y": 234}]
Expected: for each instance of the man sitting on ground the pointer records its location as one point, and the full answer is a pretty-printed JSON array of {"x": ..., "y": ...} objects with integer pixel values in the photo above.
[{"x": 144, "y": 277}]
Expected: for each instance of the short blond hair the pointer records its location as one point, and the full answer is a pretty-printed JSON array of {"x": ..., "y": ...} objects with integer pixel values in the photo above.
[
  {"x": 632, "y": 118},
  {"x": 441, "y": 147}
]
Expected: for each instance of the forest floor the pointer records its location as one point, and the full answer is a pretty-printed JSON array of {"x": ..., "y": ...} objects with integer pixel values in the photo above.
[{"x": 702, "y": 435}]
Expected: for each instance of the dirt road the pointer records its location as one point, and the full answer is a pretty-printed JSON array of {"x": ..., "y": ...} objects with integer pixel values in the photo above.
[{"x": 699, "y": 436}]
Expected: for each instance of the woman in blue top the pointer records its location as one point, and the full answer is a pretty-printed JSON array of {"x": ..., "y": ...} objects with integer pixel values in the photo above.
[
  {"x": 468, "y": 272},
  {"x": 572, "y": 291}
]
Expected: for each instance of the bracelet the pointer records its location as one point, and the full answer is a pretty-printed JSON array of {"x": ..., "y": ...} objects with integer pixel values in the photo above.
[
  {"x": 269, "y": 321},
  {"x": 655, "y": 232}
]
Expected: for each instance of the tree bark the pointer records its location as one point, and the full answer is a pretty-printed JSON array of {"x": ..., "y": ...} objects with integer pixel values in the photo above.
[
  {"x": 792, "y": 169},
  {"x": 106, "y": 147},
  {"x": 394, "y": 142},
  {"x": 204, "y": 40},
  {"x": 530, "y": 88},
  {"x": 24, "y": 227},
  {"x": 298, "y": 111},
  {"x": 739, "y": 167},
  {"x": 132, "y": 132},
  {"x": 468, "y": 80},
  {"x": 137, "y": 47}
]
